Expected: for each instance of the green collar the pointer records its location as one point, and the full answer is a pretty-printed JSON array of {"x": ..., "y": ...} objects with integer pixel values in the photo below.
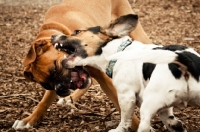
[{"x": 109, "y": 70}]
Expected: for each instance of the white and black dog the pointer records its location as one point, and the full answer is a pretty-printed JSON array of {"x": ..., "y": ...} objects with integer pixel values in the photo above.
[{"x": 153, "y": 77}]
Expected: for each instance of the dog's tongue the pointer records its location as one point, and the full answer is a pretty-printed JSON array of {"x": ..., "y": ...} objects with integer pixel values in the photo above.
[
  {"x": 78, "y": 79},
  {"x": 74, "y": 76}
]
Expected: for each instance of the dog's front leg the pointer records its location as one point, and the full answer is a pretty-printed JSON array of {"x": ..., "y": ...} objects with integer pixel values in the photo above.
[
  {"x": 38, "y": 113},
  {"x": 108, "y": 88},
  {"x": 152, "y": 102},
  {"x": 127, "y": 100}
]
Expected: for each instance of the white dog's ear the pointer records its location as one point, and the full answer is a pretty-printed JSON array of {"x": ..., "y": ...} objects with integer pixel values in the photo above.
[{"x": 122, "y": 26}]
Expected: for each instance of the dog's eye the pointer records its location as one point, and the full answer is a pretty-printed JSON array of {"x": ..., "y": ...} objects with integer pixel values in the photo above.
[{"x": 76, "y": 32}]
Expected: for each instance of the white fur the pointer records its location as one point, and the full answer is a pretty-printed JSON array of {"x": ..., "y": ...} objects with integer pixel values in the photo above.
[
  {"x": 20, "y": 125},
  {"x": 63, "y": 102},
  {"x": 141, "y": 55},
  {"x": 157, "y": 95}
]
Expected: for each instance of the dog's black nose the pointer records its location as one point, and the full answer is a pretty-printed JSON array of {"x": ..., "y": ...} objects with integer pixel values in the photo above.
[
  {"x": 61, "y": 90},
  {"x": 53, "y": 37}
]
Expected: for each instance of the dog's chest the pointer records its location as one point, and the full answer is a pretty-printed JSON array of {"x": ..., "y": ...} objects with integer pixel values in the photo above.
[{"x": 129, "y": 73}]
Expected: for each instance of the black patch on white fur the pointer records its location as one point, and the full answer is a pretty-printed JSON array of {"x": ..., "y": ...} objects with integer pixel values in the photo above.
[
  {"x": 147, "y": 70},
  {"x": 189, "y": 59},
  {"x": 172, "y": 47},
  {"x": 192, "y": 62},
  {"x": 174, "y": 68}
]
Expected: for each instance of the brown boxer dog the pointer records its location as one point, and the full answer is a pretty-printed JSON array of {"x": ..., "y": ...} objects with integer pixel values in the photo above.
[{"x": 43, "y": 62}]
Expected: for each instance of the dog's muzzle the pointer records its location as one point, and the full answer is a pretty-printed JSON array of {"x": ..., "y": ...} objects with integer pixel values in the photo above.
[
  {"x": 77, "y": 77},
  {"x": 61, "y": 90}
]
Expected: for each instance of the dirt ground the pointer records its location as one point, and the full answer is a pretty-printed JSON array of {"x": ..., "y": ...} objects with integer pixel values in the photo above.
[{"x": 165, "y": 21}]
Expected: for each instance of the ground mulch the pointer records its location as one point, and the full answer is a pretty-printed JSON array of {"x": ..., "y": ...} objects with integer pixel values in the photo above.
[{"x": 165, "y": 21}]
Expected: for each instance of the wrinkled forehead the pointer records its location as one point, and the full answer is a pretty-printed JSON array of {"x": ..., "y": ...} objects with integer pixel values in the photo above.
[
  {"x": 42, "y": 72},
  {"x": 46, "y": 65}
]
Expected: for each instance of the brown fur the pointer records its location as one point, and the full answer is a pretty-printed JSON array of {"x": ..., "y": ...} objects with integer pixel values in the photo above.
[{"x": 64, "y": 19}]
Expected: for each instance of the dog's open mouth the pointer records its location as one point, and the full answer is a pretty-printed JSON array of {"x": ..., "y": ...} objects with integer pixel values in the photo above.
[{"x": 79, "y": 78}]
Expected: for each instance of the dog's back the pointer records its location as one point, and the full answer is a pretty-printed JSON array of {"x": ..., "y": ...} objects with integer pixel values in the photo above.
[
  {"x": 79, "y": 17},
  {"x": 184, "y": 70}
]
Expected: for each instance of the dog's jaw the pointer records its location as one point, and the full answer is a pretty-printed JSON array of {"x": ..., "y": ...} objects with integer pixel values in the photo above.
[{"x": 77, "y": 61}]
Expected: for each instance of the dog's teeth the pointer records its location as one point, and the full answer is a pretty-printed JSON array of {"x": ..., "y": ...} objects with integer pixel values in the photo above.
[
  {"x": 56, "y": 44},
  {"x": 65, "y": 56},
  {"x": 61, "y": 45},
  {"x": 59, "y": 49},
  {"x": 71, "y": 81}
]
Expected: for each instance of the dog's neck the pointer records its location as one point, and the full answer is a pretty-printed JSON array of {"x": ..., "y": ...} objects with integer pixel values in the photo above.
[{"x": 101, "y": 61}]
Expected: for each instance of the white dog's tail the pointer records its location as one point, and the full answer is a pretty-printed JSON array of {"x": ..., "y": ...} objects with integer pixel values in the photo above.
[{"x": 150, "y": 56}]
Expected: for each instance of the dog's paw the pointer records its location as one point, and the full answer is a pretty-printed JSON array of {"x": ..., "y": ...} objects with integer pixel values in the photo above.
[
  {"x": 113, "y": 130},
  {"x": 117, "y": 130},
  {"x": 20, "y": 125},
  {"x": 121, "y": 129},
  {"x": 66, "y": 102},
  {"x": 152, "y": 129},
  {"x": 177, "y": 126},
  {"x": 63, "y": 101}
]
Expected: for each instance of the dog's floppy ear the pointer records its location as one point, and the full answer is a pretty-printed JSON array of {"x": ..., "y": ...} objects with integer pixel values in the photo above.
[
  {"x": 28, "y": 74},
  {"x": 122, "y": 26},
  {"x": 37, "y": 48}
]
